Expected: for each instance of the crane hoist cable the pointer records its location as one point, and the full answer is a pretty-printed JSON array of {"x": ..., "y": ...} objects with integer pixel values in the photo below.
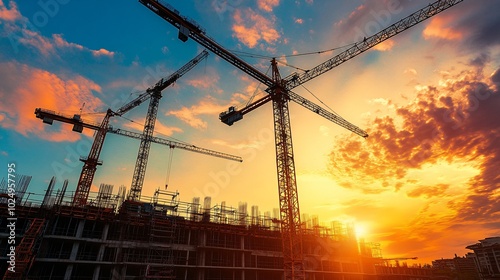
[
  {"x": 328, "y": 107},
  {"x": 253, "y": 55},
  {"x": 169, "y": 166},
  {"x": 157, "y": 132},
  {"x": 258, "y": 86},
  {"x": 289, "y": 65},
  {"x": 248, "y": 54},
  {"x": 257, "y": 89}
]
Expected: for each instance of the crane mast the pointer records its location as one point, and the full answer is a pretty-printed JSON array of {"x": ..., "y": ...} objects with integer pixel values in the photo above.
[
  {"x": 280, "y": 93},
  {"x": 293, "y": 259},
  {"x": 90, "y": 163},
  {"x": 143, "y": 153},
  {"x": 149, "y": 125}
]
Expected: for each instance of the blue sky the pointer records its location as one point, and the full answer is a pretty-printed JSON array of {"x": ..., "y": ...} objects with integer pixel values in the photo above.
[{"x": 427, "y": 97}]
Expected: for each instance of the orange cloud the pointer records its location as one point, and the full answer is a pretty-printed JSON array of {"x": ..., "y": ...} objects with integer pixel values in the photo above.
[
  {"x": 299, "y": 21},
  {"x": 207, "y": 80},
  {"x": 251, "y": 91},
  {"x": 251, "y": 27},
  {"x": 437, "y": 28},
  {"x": 26, "y": 88},
  {"x": 418, "y": 135},
  {"x": 37, "y": 41},
  {"x": 191, "y": 115},
  {"x": 102, "y": 52},
  {"x": 11, "y": 13},
  {"x": 384, "y": 46},
  {"x": 429, "y": 191},
  {"x": 267, "y": 5},
  {"x": 61, "y": 43},
  {"x": 452, "y": 124}
]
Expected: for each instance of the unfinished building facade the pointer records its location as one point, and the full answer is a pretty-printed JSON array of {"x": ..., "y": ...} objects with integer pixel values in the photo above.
[{"x": 164, "y": 238}]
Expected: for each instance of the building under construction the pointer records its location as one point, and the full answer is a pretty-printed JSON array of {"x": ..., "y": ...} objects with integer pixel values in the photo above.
[
  {"x": 161, "y": 237},
  {"x": 118, "y": 236}
]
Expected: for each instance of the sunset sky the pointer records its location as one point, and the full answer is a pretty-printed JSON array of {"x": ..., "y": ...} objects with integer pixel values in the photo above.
[{"x": 425, "y": 182}]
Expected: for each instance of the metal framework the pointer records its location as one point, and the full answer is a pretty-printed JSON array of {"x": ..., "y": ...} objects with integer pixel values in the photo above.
[
  {"x": 280, "y": 93},
  {"x": 149, "y": 125},
  {"x": 91, "y": 162},
  {"x": 46, "y": 114},
  {"x": 431, "y": 10},
  {"x": 26, "y": 251},
  {"x": 143, "y": 153},
  {"x": 175, "y": 144},
  {"x": 293, "y": 259}
]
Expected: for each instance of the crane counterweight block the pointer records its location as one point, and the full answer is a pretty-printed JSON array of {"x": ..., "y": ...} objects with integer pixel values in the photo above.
[
  {"x": 183, "y": 33},
  {"x": 48, "y": 121},
  {"x": 230, "y": 116}
]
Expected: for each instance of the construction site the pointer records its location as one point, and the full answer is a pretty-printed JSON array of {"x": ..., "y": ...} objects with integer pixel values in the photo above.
[
  {"x": 161, "y": 237},
  {"x": 77, "y": 234}
]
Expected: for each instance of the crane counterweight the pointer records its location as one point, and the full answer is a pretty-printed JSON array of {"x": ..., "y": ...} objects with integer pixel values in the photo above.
[{"x": 230, "y": 116}]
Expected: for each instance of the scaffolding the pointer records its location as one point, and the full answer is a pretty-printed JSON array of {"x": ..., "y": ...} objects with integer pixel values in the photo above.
[
  {"x": 26, "y": 251},
  {"x": 162, "y": 237},
  {"x": 160, "y": 257}
]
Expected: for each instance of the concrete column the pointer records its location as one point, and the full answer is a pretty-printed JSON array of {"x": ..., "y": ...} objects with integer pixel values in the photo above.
[
  {"x": 97, "y": 270},
  {"x": 118, "y": 272},
  {"x": 74, "y": 250},
  {"x": 201, "y": 255},
  {"x": 187, "y": 254},
  {"x": 119, "y": 269},
  {"x": 242, "y": 257},
  {"x": 100, "y": 254}
]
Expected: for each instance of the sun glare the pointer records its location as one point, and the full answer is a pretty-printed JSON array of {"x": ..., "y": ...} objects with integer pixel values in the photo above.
[{"x": 361, "y": 231}]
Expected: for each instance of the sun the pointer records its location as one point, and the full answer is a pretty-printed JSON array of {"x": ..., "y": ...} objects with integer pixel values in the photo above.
[{"x": 361, "y": 231}]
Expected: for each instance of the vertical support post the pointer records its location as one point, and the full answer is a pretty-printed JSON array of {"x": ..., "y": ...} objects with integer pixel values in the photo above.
[
  {"x": 293, "y": 259},
  {"x": 142, "y": 155},
  {"x": 74, "y": 250},
  {"x": 90, "y": 163}
]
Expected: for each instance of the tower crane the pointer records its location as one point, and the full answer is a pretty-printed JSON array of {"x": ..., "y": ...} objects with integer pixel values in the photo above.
[
  {"x": 149, "y": 125},
  {"x": 45, "y": 114},
  {"x": 77, "y": 121},
  {"x": 91, "y": 162},
  {"x": 279, "y": 92}
]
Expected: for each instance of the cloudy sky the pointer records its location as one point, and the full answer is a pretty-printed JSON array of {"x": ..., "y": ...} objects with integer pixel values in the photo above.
[{"x": 424, "y": 183}]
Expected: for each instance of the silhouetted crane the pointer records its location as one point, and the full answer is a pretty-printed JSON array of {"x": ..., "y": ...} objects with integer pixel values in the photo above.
[
  {"x": 92, "y": 160},
  {"x": 279, "y": 92}
]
